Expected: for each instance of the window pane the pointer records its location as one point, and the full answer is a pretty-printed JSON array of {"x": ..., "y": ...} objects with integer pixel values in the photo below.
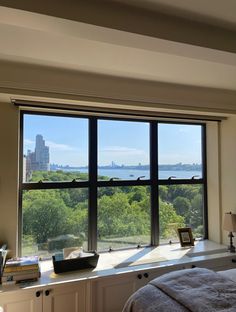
[
  {"x": 179, "y": 151},
  {"x": 55, "y": 148},
  {"x": 123, "y": 150},
  {"x": 180, "y": 206},
  {"x": 123, "y": 217},
  {"x": 53, "y": 220}
]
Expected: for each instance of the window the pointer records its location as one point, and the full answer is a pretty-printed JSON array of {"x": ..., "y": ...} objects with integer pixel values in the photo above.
[{"x": 108, "y": 183}]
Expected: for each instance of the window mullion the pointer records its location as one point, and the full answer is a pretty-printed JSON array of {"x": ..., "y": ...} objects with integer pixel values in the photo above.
[
  {"x": 154, "y": 185},
  {"x": 92, "y": 222}
]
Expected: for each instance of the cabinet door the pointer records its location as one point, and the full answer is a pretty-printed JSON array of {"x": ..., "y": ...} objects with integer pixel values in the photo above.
[
  {"x": 69, "y": 297},
  {"x": 110, "y": 294},
  {"x": 21, "y": 301},
  {"x": 217, "y": 264},
  {"x": 154, "y": 273}
]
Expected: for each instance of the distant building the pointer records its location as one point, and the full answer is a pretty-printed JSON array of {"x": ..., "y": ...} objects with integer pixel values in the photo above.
[{"x": 39, "y": 159}]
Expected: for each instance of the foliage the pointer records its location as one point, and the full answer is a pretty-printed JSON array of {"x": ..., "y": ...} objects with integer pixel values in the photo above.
[
  {"x": 44, "y": 215},
  {"x": 118, "y": 217},
  {"x": 170, "y": 221},
  {"x": 58, "y": 175},
  {"x": 122, "y": 211}
]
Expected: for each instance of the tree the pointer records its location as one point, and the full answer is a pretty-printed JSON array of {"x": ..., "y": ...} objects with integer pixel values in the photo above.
[
  {"x": 163, "y": 192},
  {"x": 77, "y": 220},
  {"x": 197, "y": 211},
  {"x": 73, "y": 196},
  {"x": 169, "y": 220},
  {"x": 117, "y": 217},
  {"x": 44, "y": 215},
  {"x": 182, "y": 207}
]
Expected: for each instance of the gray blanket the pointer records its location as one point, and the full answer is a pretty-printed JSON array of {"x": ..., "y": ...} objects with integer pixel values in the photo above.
[{"x": 196, "y": 290}]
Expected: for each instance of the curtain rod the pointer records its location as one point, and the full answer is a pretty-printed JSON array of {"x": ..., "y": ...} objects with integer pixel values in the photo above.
[{"x": 113, "y": 111}]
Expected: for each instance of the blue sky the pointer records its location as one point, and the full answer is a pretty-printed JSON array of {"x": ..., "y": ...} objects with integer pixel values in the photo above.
[{"x": 123, "y": 142}]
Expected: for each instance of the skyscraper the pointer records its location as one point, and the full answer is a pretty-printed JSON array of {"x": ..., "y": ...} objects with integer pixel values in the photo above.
[{"x": 39, "y": 159}]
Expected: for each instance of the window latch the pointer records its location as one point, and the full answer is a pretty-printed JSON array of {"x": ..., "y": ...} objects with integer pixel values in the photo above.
[
  {"x": 172, "y": 177},
  {"x": 195, "y": 176},
  {"x": 114, "y": 178},
  {"x": 140, "y": 177},
  {"x": 75, "y": 180}
]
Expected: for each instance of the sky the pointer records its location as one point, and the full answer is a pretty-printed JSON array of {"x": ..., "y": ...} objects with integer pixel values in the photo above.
[{"x": 123, "y": 142}]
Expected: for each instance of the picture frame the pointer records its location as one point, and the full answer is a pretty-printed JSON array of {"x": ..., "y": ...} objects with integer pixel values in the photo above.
[{"x": 185, "y": 237}]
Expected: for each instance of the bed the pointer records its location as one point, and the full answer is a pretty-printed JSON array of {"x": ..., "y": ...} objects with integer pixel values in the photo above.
[{"x": 195, "y": 290}]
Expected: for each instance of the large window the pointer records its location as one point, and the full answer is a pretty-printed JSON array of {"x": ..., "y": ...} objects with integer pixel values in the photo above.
[{"x": 106, "y": 184}]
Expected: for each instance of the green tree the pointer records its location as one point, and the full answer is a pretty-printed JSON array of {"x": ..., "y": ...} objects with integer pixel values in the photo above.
[
  {"x": 163, "y": 192},
  {"x": 44, "y": 215},
  {"x": 196, "y": 211},
  {"x": 182, "y": 207},
  {"x": 117, "y": 217},
  {"x": 169, "y": 220}
]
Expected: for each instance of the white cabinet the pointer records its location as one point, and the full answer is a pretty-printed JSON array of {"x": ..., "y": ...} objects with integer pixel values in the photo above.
[
  {"x": 110, "y": 293},
  {"x": 21, "y": 301},
  {"x": 225, "y": 262},
  {"x": 71, "y": 297},
  {"x": 99, "y": 293}
]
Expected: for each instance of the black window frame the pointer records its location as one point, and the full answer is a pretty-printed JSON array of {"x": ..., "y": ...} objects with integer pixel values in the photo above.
[{"x": 93, "y": 183}]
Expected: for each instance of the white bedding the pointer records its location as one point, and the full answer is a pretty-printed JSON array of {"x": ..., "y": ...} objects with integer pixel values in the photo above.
[
  {"x": 195, "y": 290},
  {"x": 231, "y": 274}
]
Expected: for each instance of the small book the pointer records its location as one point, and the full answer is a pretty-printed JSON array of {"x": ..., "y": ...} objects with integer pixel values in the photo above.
[
  {"x": 21, "y": 264},
  {"x": 3, "y": 255},
  {"x": 22, "y": 272},
  {"x": 20, "y": 277},
  {"x": 20, "y": 268}
]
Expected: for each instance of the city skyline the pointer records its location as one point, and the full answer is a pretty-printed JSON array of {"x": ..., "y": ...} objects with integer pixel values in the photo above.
[{"x": 121, "y": 142}]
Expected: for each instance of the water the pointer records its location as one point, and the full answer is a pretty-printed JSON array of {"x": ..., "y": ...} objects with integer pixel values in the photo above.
[{"x": 133, "y": 174}]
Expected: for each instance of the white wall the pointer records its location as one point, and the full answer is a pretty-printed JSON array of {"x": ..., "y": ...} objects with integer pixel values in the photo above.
[
  {"x": 228, "y": 168},
  {"x": 8, "y": 174},
  {"x": 213, "y": 181}
]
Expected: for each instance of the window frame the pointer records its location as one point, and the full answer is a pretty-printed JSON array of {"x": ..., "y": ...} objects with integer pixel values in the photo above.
[{"x": 93, "y": 183}]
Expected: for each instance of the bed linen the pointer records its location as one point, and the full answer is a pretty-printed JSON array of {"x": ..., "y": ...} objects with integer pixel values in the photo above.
[{"x": 195, "y": 290}]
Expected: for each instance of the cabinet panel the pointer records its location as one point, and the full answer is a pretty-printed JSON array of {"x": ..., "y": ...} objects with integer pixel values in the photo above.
[
  {"x": 67, "y": 301},
  {"x": 25, "y": 306},
  {"x": 110, "y": 294},
  {"x": 21, "y": 301},
  {"x": 217, "y": 264},
  {"x": 67, "y": 297},
  {"x": 149, "y": 275}
]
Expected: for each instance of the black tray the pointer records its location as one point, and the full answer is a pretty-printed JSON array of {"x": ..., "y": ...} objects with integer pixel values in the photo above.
[{"x": 64, "y": 265}]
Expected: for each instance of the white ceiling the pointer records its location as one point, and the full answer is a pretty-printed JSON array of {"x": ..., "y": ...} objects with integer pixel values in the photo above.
[
  {"x": 50, "y": 41},
  {"x": 215, "y": 12}
]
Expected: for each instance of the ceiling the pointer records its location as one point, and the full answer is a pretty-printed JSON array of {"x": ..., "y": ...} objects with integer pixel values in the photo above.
[
  {"x": 123, "y": 41},
  {"x": 215, "y": 12}
]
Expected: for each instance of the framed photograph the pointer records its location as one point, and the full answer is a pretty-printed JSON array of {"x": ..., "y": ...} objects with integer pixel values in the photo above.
[{"x": 185, "y": 237}]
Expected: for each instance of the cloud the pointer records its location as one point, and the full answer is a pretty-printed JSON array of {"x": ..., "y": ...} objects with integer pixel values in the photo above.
[
  {"x": 59, "y": 147},
  {"x": 28, "y": 142},
  {"x": 183, "y": 129}
]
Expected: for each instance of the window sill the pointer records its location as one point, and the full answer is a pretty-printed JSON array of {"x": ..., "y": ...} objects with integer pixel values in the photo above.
[{"x": 126, "y": 261}]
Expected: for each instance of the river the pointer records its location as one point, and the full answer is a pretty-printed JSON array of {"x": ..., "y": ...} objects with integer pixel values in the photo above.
[{"x": 133, "y": 174}]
